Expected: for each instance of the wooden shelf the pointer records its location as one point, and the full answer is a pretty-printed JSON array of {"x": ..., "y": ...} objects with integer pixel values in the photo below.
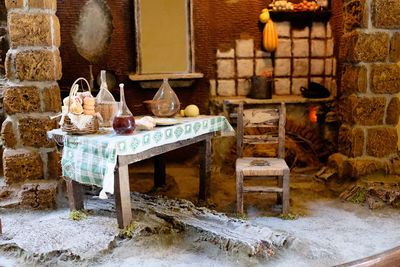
[
  {"x": 161, "y": 76},
  {"x": 302, "y": 17},
  {"x": 289, "y": 99}
]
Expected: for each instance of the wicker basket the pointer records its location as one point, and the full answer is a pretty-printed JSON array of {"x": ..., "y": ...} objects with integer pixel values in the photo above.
[{"x": 91, "y": 127}]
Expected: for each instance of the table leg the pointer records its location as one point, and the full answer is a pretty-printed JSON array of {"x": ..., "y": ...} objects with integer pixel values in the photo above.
[
  {"x": 122, "y": 196},
  {"x": 205, "y": 168},
  {"x": 159, "y": 170},
  {"x": 75, "y": 195}
]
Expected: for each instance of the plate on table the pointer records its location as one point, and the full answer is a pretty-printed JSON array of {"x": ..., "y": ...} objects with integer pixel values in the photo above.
[{"x": 167, "y": 121}]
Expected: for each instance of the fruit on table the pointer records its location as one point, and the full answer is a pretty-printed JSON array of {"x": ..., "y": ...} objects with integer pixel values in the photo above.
[
  {"x": 270, "y": 37},
  {"x": 283, "y": 5},
  {"x": 191, "y": 111}
]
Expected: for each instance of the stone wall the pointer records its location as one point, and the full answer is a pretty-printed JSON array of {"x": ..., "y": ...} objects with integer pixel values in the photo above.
[
  {"x": 369, "y": 106},
  {"x": 31, "y": 96},
  {"x": 304, "y": 54}
]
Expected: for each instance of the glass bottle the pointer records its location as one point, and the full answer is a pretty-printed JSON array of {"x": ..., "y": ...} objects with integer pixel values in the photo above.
[
  {"x": 124, "y": 122},
  {"x": 165, "y": 102},
  {"x": 105, "y": 102}
]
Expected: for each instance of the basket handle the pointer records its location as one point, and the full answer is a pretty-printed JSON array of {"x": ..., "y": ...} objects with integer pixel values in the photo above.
[{"x": 73, "y": 91}]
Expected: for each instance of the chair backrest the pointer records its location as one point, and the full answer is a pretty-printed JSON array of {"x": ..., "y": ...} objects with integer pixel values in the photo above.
[{"x": 261, "y": 118}]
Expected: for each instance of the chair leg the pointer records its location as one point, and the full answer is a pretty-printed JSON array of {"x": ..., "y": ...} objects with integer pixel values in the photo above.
[
  {"x": 286, "y": 193},
  {"x": 239, "y": 192},
  {"x": 280, "y": 184}
]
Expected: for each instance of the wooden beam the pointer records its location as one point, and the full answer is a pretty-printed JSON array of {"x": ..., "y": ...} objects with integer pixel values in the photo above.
[
  {"x": 205, "y": 168},
  {"x": 389, "y": 257},
  {"x": 262, "y": 189},
  {"x": 122, "y": 196},
  {"x": 75, "y": 194},
  {"x": 159, "y": 170}
]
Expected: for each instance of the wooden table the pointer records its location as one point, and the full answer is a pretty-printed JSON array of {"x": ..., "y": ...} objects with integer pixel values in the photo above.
[
  {"x": 89, "y": 151},
  {"x": 121, "y": 176}
]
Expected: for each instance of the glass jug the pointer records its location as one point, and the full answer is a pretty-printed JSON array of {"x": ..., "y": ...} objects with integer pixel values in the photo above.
[
  {"x": 165, "y": 102},
  {"x": 124, "y": 122},
  {"x": 105, "y": 102}
]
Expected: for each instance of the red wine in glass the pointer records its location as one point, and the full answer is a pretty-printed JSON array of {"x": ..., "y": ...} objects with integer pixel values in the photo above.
[{"x": 124, "y": 124}]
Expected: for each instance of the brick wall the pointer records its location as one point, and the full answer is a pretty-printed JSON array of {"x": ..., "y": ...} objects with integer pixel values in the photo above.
[
  {"x": 369, "y": 106},
  {"x": 303, "y": 55},
  {"x": 31, "y": 96}
]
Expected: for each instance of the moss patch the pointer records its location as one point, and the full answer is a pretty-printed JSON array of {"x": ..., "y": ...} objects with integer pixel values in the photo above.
[
  {"x": 128, "y": 230},
  {"x": 359, "y": 196},
  {"x": 289, "y": 216},
  {"x": 78, "y": 215}
]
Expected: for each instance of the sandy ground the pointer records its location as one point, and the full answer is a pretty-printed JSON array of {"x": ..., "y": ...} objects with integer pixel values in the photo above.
[{"x": 327, "y": 232}]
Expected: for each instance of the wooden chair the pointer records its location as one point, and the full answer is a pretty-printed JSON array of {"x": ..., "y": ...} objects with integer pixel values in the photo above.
[{"x": 262, "y": 167}]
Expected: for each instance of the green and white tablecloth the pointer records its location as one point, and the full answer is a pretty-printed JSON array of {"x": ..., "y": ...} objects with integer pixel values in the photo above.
[{"x": 91, "y": 159}]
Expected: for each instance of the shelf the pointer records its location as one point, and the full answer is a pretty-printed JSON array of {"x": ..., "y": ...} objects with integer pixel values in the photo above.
[
  {"x": 303, "y": 17},
  {"x": 289, "y": 99},
  {"x": 174, "y": 79}
]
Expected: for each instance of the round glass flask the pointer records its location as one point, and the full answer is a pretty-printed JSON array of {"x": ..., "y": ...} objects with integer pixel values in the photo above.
[
  {"x": 124, "y": 122},
  {"x": 165, "y": 102}
]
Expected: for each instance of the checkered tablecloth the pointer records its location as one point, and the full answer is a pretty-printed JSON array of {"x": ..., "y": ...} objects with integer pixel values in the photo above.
[{"x": 91, "y": 159}]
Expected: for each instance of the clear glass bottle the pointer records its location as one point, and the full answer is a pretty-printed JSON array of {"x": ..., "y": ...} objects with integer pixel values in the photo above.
[
  {"x": 165, "y": 102},
  {"x": 105, "y": 102},
  {"x": 124, "y": 122}
]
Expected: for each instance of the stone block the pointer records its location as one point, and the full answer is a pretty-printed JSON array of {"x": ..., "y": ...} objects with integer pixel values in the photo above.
[
  {"x": 30, "y": 29},
  {"x": 226, "y": 54},
  {"x": 355, "y": 15},
  {"x": 329, "y": 47},
  {"x": 386, "y": 14},
  {"x": 56, "y": 31},
  {"x": 213, "y": 87},
  {"x": 33, "y": 131},
  {"x": 260, "y": 53},
  {"x": 328, "y": 30},
  {"x": 339, "y": 162},
  {"x": 43, "y": 4},
  {"x": 297, "y": 83},
  {"x": 346, "y": 107},
  {"x": 334, "y": 67},
  {"x": 225, "y": 68},
  {"x": 244, "y": 86},
  {"x": 385, "y": 79},
  {"x": 354, "y": 79},
  {"x": 263, "y": 64},
  {"x": 395, "y": 47},
  {"x": 10, "y": 4},
  {"x": 54, "y": 169},
  {"x": 318, "y": 30},
  {"x": 317, "y": 66},
  {"x": 38, "y": 65},
  {"x": 20, "y": 165},
  {"x": 226, "y": 88},
  {"x": 393, "y": 111},
  {"x": 283, "y": 29},
  {"x": 300, "y": 48},
  {"x": 282, "y": 67},
  {"x": 52, "y": 99},
  {"x": 357, "y": 46},
  {"x": 245, "y": 68},
  {"x": 393, "y": 166},
  {"x": 318, "y": 48},
  {"x": 362, "y": 166},
  {"x": 351, "y": 141},
  {"x": 369, "y": 111},
  {"x": 328, "y": 66},
  {"x": 284, "y": 48},
  {"x": 301, "y": 32},
  {"x": 8, "y": 135},
  {"x": 9, "y": 66},
  {"x": 381, "y": 141},
  {"x": 282, "y": 86},
  {"x": 245, "y": 48},
  {"x": 38, "y": 195},
  {"x": 300, "y": 67},
  {"x": 21, "y": 99}
]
